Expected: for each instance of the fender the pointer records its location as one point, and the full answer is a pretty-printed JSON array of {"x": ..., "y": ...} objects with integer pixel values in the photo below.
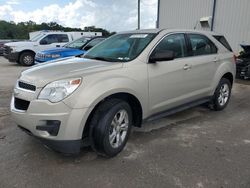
[
  {"x": 96, "y": 91},
  {"x": 26, "y": 50},
  {"x": 100, "y": 90},
  {"x": 223, "y": 69}
]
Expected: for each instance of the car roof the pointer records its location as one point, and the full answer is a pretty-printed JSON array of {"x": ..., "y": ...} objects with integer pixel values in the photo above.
[
  {"x": 91, "y": 37},
  {"x": 170, "y": 31},
  {"x": 142, "y": 31}
]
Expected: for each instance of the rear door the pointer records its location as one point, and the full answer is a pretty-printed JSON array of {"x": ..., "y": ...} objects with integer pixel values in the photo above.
[{"x": 203, "y": 63}]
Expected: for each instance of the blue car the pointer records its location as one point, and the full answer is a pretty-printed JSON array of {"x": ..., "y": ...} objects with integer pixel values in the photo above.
[{"x": 75, "y": 48}]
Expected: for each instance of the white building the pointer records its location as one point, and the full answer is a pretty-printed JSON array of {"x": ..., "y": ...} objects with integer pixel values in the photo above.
[{"x": 229, "y": 17}]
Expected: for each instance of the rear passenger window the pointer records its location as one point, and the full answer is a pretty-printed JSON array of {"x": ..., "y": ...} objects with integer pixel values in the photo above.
[
  {"x": 62, "y": 38},
  {"x": 175, "y": 43},
  {"x": 201, "y": 45}
]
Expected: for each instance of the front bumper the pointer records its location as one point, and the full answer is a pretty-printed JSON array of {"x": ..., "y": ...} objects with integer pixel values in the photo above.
[
  {"x": 40, "y": 58},
  {"x": 12, "y": 57},
  {"x": 68, "y": 139},
  {"x": 62, "y": 146},
  {"x": 1, "y": 50}
]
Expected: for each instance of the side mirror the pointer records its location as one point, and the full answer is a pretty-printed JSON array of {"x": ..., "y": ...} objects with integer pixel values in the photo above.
[
  {"x": 43, "y": 42},
  {"x": 164, "y": 55}
]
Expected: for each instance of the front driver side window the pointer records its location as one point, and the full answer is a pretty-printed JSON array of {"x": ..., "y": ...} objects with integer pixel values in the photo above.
[
  {"x": 175, "y": 43},
  {"x": 49, "y": 39}
]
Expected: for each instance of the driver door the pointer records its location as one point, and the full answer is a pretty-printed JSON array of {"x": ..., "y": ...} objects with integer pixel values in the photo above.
[
  {"x": 53, "y": 41},
  {"x": 166, "y": 78}
]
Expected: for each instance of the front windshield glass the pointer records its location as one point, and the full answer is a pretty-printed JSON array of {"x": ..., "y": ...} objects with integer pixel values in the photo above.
[
  {"x": 79, "y": 43},
  {"x": 121, "y": 47},
  {"x": 37, "y": 37}
]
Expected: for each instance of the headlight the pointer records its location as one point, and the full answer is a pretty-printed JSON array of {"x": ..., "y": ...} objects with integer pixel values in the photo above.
[
  {"x": 52, "y": 55},
  {"x": 13, "y": 48},
  {"x": 59, "y": 90}
]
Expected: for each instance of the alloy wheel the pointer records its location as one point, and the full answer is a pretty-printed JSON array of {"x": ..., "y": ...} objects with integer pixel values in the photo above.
[
  {"x": 223, "y": 94},
  {"x": 119, "y": 128}
]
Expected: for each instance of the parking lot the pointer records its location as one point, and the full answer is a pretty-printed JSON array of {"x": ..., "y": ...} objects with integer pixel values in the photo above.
[{"x": 195, "y": 148}]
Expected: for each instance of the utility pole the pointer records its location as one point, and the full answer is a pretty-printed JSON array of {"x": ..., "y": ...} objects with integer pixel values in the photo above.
[
  {"x": 213, "y": 14},
  {"x": 139, "y": 14}
]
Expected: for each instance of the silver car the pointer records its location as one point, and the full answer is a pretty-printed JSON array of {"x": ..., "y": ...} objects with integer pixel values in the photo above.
[{"x": 129, "y": 78}]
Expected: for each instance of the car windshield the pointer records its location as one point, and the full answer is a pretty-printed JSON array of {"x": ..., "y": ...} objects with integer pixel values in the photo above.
[
  {"x": 79, "y": 43},
  {"x": 37, "y": 37},
  {"x": 121, "y": 47}
]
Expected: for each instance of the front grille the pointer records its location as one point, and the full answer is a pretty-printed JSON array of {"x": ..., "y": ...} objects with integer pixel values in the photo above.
[
  {"x": 6, "y": 50},
  {"x": 21, "y": 104},
  {"x": 1, "y": 50},
  {"x": 40, "y": 56},
  {"x": 26, "y": 86}
]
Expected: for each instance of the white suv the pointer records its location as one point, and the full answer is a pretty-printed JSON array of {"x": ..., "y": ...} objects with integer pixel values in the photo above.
[
  {"x": 23, "y": 52},
  {"x": 131, "y": 77}
]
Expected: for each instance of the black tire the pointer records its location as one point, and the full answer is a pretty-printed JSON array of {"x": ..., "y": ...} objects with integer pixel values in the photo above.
[
  {"x": 100, "y": 127},
  {"x": 27, "y": 58},
  {"x": 216, "y": 103}
]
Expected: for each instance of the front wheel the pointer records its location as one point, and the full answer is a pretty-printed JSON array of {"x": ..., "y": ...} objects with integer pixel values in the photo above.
[
  {"x": 27, "y": 59},
  {"x": 222, "y": 95},
  {"x": 110, "y": 127}
]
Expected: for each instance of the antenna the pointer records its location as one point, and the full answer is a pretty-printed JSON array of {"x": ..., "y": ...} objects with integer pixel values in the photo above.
[{"x": 139, "y": 13}]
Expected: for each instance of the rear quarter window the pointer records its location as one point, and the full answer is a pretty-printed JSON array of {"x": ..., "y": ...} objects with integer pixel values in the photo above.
[{"x": 223, "y": 41}]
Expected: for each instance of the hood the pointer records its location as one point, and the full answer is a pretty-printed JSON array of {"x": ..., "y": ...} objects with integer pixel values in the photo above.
[
  {"x": 43, "y": 74},
  {"x": 21, "y": 43},
  {"x": 61, "y": 50}
]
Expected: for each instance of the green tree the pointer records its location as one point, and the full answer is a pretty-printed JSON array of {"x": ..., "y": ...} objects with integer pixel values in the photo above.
[{"x": 11, "y": 30}]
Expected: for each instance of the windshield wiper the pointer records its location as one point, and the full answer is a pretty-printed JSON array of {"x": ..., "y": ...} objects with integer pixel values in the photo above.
[{"x": 100, "y": 58}]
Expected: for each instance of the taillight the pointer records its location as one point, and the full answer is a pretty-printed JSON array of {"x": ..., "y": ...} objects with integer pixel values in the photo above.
[{"x": 235, "y": 58}]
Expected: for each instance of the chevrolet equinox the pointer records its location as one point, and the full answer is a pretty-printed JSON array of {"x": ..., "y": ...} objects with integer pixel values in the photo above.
[{"x": 125, "y": 80}]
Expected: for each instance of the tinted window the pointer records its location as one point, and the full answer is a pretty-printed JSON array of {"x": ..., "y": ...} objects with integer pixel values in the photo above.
[
  {"x": 79, "y": 43},
  {"x": 175, "y": 43},
  {"x": 94, "y": 42},
  {"x": 49, "y": 39},
  {"x": 63, "y": 38},
  {"x": 201, "y": 45},
  {"x": 56, "y": 38},
  {"x": 223, "y": 41}
]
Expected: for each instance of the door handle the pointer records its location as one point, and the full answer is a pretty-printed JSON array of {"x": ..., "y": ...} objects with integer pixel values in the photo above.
[
  {"x": 187, "y": 67},
  {"x": 57, "y": 46}
]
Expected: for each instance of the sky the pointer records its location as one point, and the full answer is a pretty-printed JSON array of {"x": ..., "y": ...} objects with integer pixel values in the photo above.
[{"x": 112, "y": 15}]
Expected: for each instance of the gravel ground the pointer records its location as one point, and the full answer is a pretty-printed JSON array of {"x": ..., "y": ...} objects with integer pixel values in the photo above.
[{"x": 195, "y": 148}]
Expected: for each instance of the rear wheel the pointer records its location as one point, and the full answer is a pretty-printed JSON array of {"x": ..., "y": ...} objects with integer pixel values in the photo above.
[
  {"x": 222, "y": 95},
  {"x": 27, "y": 58},
  {"x": 110, "y": 127}
]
